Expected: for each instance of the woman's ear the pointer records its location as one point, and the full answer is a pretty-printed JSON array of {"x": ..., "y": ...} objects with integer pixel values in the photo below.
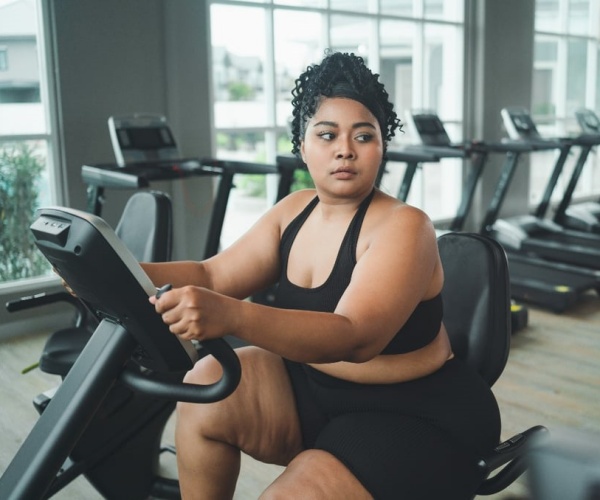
[{"x": 302, "y": 151}]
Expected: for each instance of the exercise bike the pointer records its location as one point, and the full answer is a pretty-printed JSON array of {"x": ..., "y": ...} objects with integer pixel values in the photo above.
[{"x": 130, "y": 370}]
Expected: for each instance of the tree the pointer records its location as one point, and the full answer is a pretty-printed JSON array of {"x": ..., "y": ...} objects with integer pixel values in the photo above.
[{"x": 20, "y": 170}]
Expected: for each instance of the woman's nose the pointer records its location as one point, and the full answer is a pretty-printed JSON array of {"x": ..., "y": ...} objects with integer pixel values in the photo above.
[{"x": 345, "y": 150}]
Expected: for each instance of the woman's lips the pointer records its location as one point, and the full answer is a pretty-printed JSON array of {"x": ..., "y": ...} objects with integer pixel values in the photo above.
[{"x": 343, "y": 173}]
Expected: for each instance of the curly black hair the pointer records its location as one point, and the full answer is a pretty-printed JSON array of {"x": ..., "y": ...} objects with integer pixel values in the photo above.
[{"x": 341, "y": 75}]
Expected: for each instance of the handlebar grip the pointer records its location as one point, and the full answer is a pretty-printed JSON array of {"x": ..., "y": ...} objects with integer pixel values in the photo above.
[{"x": 155, "y": 385}]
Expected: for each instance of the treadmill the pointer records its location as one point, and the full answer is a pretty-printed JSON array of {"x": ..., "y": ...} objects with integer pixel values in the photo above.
[
  {"x": 434, "y": 139},
  {"x": 581, "y": 216},
  {"x": 531, "y": 233},
  {"x": 549, "y": 284}
]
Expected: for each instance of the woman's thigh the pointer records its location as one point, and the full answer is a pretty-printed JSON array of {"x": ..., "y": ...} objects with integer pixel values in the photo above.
[
  {"x": 401, "y": 457},
  {"x": 259, "y": 417}
]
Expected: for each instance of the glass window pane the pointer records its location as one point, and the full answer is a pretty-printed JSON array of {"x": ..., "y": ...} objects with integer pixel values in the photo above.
[
  {"x": 578, "y": 17},
  {"x": 397, "y": 7},
  {"x": 23, "y": 188},
  {"x": 546, "y": 15},
  {"x": 576, "y": 75},
  {"x": 544, "y": 74},
  {"x": 442, "y": 188},
  {"x": 449, "y": 10},
  {"x": 21, "y": 109},
  {"x": 299, "y": 42},
  {"x": 354, "y": 5},
  {"x": 597, "y": 103},
  {"x": 249, "y": 196},
  {"x": 302, "y": 3},
  {"x": 352, "y": 34},
  {"x": 442, "y": 77},
  {"x": 239, "y": 66},
  {"x": 396, "y": 66}
]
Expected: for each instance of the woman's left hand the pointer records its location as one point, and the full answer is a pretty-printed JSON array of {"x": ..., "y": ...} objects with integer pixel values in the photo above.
[{"x": 193, "y": 312}]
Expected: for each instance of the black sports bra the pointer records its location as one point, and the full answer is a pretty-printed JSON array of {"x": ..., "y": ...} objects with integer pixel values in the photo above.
[{"x": 419, "y": 330}]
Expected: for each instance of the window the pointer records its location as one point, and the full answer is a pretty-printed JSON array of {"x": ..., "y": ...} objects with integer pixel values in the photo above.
[
  {"x": 416, "y": 47},
  {"x": 25, "y": 140},
  {"x": 3, "y": 59},
  {"x": 565, "y": 78}
]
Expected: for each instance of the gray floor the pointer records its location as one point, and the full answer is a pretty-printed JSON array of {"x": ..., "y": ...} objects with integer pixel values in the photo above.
[{"x": 552, "y": 378}]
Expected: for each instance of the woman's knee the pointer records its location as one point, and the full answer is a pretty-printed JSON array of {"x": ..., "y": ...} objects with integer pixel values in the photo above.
[
  {"x": 261, "y": 402},
  {"x": 316, "y": 474},
  {"x": 203, "y": 419}
]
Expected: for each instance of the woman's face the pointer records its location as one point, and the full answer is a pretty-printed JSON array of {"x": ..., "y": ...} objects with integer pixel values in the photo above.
[{"x": 343, "y": 147}]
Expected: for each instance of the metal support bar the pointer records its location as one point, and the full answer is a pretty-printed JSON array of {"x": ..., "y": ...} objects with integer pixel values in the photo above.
[{"x": 36, "y": 464}]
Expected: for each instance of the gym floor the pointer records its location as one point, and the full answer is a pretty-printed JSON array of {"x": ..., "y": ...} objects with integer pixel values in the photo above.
[{"x": 552, "y": 378}]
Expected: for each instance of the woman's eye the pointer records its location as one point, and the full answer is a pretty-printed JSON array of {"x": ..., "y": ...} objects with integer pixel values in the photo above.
[
  {"x": 364, "y": 137},
  {"x": 328, "y": 136}
]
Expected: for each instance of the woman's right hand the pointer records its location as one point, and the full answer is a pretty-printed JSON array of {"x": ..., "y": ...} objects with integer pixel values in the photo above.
[{"x": 65, "y": 284}]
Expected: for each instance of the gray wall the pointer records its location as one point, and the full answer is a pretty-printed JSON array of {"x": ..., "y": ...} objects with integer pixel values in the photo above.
[{"x": 499, "y": 62}]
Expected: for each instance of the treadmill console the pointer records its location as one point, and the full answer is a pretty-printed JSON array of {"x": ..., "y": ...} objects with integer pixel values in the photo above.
[
  {"x": 141, "y": 138},
  {"x": 429, "y": 129},
  {"x": 588, "y": 121},
  {"x": 519, "y": 124}
]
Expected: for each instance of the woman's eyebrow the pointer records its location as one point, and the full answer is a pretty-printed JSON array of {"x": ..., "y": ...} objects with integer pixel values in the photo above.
[{"x": 334, "y": 124}]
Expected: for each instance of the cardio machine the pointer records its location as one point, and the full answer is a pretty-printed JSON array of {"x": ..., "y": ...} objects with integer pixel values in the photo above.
[
  {"x": 534, "y": 233},
  {"x": 131, "y": 361},
  {"x": 581, "y": 216},
  {"x": 429, "y": 129},
  {"x": 537, "y": 278}
]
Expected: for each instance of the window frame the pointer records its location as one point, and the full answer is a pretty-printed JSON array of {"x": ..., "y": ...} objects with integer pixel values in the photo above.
[{"x": 56, "y": 176}]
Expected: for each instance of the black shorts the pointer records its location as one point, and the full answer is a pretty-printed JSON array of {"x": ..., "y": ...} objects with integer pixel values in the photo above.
[{"x": 415, "y": 440}]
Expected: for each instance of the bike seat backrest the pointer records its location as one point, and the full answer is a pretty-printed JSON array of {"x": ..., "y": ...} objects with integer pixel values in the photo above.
[
  {"x": 476, "y": 297},
  {"x": 145, "y": 226}
]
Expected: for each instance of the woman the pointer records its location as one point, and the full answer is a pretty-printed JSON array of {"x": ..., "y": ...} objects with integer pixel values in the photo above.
[{"x": 350, "y": 381}]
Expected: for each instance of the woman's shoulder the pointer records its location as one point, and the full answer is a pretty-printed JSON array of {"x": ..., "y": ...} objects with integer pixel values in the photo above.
[
  {"x": 297, "y": 200},
  {"x": 390, "y": 210},
  {"x": 291, "y": 205},
  {"x": 390, "y": 219}
]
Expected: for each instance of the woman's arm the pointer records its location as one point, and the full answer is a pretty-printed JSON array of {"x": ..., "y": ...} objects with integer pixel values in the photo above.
[
  {"x": 250, "y": 264},
  {"x": 394, "y": 368},
  {"x": 397, "y": 268}
]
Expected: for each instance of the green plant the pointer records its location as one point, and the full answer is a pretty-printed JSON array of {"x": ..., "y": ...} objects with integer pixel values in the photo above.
[
  {"x": 20, "y": 170},
  {"x": 240, "y": 91},
  {"x": 302, "y": 180}
]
